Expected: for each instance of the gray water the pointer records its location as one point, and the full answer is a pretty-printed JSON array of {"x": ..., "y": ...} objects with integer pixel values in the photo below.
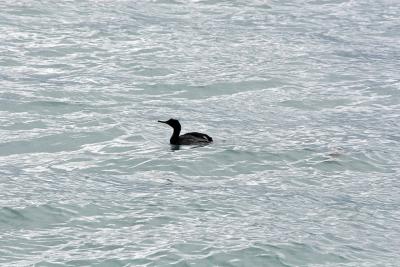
[{"x": 301, "y": 97}]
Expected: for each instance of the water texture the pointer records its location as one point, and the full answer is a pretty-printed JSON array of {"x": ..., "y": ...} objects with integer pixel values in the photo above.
[{"x": 301, "y": 97}]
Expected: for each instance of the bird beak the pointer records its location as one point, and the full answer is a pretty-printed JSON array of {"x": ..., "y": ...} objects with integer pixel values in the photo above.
[{"x": 163, "y": 121}]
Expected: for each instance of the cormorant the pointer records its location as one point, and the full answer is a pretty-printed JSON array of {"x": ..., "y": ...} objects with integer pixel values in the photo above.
[{"x": 188, "y": 138}]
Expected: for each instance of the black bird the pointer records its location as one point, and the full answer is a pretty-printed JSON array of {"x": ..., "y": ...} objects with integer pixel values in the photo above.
[{"x": 188, "y": 138}]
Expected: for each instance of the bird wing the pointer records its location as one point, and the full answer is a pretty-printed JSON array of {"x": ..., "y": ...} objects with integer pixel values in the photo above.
[{"x": 199, "y": 136}]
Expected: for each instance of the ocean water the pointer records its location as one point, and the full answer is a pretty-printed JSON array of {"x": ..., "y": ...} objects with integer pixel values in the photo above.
[{"x": 301, "y": 97}]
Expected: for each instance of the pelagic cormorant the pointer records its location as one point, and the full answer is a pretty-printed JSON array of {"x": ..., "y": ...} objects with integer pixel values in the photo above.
[{"x": 188, "y": 138}]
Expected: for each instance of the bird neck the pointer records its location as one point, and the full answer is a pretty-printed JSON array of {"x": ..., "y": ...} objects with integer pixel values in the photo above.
[{"x": 175, "y": 135}]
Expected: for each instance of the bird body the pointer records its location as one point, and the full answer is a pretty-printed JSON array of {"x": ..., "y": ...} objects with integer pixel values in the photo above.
[{"x": 192, "y": 138}]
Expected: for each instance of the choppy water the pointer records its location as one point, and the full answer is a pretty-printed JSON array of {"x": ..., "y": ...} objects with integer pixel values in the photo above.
[{"x": 301, "y": 97}]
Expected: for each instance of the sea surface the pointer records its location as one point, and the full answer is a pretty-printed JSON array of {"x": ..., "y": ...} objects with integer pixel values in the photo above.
[{"x": 302, "y": 99}]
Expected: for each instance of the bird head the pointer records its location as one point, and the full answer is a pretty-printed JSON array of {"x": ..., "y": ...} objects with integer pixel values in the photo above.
[{"x": 172, "y": 122}]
